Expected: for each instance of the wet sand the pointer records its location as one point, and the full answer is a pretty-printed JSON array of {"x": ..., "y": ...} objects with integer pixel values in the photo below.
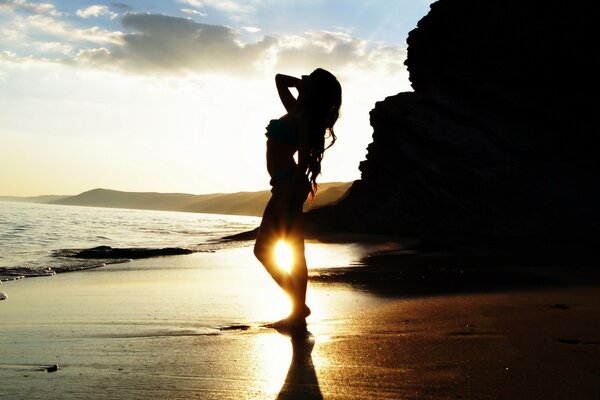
[
  {"x": 152, "y": 328},
  {"x": 532, "y": 344}
]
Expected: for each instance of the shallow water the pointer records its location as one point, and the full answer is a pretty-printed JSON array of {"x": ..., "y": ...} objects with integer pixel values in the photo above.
[{"x": 29, "y": 233}]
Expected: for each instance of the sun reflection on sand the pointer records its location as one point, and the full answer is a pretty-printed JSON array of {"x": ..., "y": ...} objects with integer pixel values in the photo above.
[
  {"x": 273, "y": 356},
  {"x": 284, "y": 366}
]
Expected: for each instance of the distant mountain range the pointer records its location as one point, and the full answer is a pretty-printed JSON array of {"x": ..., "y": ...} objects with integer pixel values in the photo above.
[
  {"x": 241, "y": 203},
  {"x": 33, "y": 199}
]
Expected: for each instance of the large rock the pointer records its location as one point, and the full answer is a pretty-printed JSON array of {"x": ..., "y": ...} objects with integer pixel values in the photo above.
[{"x": 497, "y": 139}]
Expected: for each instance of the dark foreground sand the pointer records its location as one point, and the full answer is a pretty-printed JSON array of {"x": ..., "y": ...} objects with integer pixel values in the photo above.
[
  {"x": 132, "y": 332},
  {"x": 533, "y": 344}
]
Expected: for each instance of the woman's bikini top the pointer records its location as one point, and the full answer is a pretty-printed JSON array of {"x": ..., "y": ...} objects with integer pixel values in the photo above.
[{"x": 282, "y": 132}]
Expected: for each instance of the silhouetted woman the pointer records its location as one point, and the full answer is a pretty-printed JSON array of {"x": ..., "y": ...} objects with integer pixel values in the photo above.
[{"x": 308, "y": 122}]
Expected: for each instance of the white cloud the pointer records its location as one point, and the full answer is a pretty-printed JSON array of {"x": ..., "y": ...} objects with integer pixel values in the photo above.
[
  {"x": 62, "y": 29},
  {"x": 58, "y": 47},
  {"x": 15, "y": 30},
  {"x": 36, "y": 8},
  {"x": 96, "y": 56},
  {"x": 229, "y": 6},
  {"x": 337, "y": 51},
  {"x": 169, "y": 45},
  {"x": 193, "y": 12},
  {"x": 96, "y": 11},
  {"x": 20, "y": 27},
  {"x": 193, "y": 3},
  {"x": 8, "y": 56},
  {"x": 235, "y": 10},
  {"x": 156, "y": 44}
]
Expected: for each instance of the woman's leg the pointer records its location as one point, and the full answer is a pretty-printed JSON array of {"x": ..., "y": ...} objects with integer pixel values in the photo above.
[
  {"x": 284, "y": 221},
  {"x": 269, "y": 233},
  {"x": 299, "y": 270}
]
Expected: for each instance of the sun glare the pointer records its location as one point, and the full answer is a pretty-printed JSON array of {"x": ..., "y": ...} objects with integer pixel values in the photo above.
[{"x": 284, "y": 256}]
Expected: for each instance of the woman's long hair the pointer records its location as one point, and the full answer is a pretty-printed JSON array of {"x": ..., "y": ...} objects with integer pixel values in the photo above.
[{"x": 322, "y": 104}]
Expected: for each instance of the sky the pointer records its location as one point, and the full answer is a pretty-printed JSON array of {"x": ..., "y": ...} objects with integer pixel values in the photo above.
[{"x": 174, "y": 95}]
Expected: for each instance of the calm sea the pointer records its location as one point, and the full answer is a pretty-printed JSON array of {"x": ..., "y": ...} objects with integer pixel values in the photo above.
[{"x": 31, "y": 233}]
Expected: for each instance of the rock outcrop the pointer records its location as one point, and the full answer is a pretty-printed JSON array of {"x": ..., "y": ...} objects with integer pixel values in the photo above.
[
  {"x": 498, "y": 138},
  {"x": 107, "y": 252}
]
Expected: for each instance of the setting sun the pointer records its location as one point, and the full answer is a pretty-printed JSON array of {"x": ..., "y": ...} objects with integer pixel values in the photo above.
[{"x": 284, "y": 255}]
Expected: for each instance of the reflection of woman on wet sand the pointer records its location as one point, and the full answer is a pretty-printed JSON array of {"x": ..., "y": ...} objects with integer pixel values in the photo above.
[
  {"x": 301, "y": 381},
  {"x": 309, "y": 120}
]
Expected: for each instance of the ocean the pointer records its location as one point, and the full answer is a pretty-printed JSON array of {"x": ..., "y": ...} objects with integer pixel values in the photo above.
[{"x": 36, "y": 235}]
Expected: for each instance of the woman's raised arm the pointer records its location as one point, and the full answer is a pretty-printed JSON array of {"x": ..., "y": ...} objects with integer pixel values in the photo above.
[{"x": 284, "y": 83}]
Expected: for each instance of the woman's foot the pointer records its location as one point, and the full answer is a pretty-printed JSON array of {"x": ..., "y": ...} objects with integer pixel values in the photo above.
[
  {"x": 294, "y": 323},
  {"x": 291, "y": 324}
]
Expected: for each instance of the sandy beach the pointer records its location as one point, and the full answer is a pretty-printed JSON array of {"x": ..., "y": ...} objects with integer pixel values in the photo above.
[{"x": 186, "y": 327}]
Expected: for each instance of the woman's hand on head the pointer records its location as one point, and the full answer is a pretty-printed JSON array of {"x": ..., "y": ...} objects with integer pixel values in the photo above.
[{"x": 302, "y": 83}]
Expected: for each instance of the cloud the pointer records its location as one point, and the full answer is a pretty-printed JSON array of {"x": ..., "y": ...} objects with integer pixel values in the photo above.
[
  {"x": 164, "y": 44},
  {"x": 156, "y": 44},
  {"x": 14, "y": 30},
  {"x": 8, "y": 56},
  {"x": 54, "y": 47},
  {"x": 96, "y": 11},
  {"x": 251, "y": 29},
  {"x": 337, "y": 51},
  {"x": 193, "y": 12},
  {"x": 235, "y": 10},
  {"x": 29, "y": 7},
  {"x": 193, "y": 3},
  {"x": 160, "y": 44},
  {"x": 64, "y": 30},
  {"x": 97, "y": 56},
  {"x": 23, "y": 27},
  {"x": 229, "y": 6}
]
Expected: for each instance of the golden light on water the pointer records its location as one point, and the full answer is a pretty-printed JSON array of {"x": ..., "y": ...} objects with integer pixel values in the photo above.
[{"x": 284, "y": 256}]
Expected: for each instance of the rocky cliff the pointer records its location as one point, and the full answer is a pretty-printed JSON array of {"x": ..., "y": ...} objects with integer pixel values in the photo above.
[{"x": 497, "y": 139}]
